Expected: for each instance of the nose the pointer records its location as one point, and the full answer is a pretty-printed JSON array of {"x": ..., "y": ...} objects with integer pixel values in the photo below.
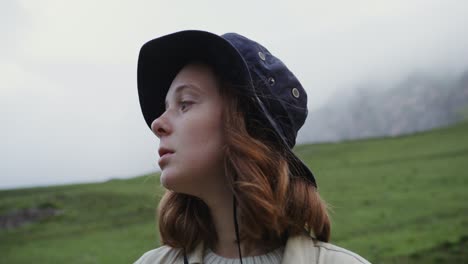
[{"x": 160, "y": 126}]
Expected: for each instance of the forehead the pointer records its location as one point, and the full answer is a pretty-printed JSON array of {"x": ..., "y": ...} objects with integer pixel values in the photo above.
[{"x": 194, "y": 76}]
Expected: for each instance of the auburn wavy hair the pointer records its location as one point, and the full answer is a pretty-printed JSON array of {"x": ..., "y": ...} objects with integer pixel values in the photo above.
[{"x": 272, "y": 204}]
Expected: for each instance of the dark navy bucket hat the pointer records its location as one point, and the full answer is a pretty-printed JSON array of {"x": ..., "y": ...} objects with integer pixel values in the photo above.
[{"x": 279, "y": 100}]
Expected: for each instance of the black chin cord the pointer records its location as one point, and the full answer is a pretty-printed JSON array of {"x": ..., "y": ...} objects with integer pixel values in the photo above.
[
  {"x": 236, "y": 227},
  {"x": 185, "y": 258}
]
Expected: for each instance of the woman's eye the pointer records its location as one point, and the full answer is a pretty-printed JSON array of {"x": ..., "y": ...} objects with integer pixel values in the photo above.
[{"x": 184, "y": 105}]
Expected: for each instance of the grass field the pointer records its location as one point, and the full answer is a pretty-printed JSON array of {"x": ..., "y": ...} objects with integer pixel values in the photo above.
[{"x": 393, "y": 200}]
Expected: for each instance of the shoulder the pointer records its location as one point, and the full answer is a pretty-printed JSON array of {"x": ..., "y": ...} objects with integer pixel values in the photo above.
[
  {"x": 307, "y": 249},
  {"x": 163, "y": 254},
  {"x": 334, "y": 254}
]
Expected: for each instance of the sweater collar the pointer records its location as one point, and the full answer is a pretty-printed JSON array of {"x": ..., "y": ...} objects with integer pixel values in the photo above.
[
  {"x": 292, "y": 252},
  {"x": 196, "y": 255}
]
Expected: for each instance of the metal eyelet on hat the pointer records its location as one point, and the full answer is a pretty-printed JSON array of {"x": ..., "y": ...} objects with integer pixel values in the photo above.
[
  {"x": 271, "y": 81},
  {"x": 295, "y": 92},
  {"x": 261, "y": 55}
]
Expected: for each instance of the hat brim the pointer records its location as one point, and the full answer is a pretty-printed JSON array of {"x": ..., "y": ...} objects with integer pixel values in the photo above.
[{"x": 162, "y": 58}]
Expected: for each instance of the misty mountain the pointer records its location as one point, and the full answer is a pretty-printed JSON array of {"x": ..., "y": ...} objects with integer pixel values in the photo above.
[{"x": 419, "y": 102}]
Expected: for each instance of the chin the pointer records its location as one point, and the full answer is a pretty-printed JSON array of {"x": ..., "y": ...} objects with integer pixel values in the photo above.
[
  {"x": 165, "y": 180},
  {"x": 171, "y": 181},
  {"x": 178, "y": 183}
]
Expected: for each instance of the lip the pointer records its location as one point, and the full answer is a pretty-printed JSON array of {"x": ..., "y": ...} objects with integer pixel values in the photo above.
[
  {"x": 163, "y": 151},
  {"x": 164, "y": 159},
  {"x": 164, "y": 155}
]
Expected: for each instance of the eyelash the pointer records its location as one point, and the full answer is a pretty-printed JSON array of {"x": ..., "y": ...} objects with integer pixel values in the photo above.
[{"x": 184, "y": 104}]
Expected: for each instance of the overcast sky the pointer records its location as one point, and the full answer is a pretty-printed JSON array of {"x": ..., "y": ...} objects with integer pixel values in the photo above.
[{"x": 69, "y": 108}]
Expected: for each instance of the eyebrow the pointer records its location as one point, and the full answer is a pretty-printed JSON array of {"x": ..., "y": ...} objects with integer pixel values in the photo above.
[{"x": 180, "y": 88}]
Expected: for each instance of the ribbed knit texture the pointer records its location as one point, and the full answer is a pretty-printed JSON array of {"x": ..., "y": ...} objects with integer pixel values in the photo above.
[{"x": 273, "y": 257}]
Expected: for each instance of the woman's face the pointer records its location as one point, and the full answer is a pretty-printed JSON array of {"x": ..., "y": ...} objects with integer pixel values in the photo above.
[{"x": 191, "y": 132}]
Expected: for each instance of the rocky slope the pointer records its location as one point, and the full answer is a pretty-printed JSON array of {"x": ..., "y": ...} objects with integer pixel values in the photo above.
[{"x": 418, "y": 103}]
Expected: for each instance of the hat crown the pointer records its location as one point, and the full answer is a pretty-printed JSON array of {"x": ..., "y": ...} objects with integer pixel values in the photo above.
[{"x": 279, "y": 92}]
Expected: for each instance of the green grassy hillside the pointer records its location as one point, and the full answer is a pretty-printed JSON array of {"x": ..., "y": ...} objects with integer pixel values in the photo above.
[{"x": 393, "y": 200}]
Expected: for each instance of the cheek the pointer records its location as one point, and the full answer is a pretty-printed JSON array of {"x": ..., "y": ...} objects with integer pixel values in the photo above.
[
  {"x": 207, "y": 157},
  {"x": 203, "y": 143},
  {"x": 202, "y": 133}
]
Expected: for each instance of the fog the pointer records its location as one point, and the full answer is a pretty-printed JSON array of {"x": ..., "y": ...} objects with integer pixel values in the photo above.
[{"x": 68, "y": 99}]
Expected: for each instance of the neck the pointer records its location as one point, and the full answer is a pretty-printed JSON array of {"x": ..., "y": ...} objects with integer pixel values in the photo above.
[{"x": 221, "y": 209}]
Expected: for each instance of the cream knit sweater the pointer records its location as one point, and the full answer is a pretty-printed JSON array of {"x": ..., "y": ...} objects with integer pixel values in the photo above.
[{"x": 273, "y": 257}]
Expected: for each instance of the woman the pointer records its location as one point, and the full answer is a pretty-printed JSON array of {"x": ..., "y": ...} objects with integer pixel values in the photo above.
[{"x": 227, "y": 113}]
